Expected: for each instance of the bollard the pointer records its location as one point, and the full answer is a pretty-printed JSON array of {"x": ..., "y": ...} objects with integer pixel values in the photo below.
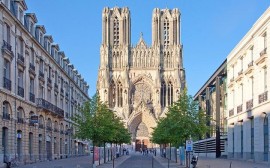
[{"x": 230, "y": 164}]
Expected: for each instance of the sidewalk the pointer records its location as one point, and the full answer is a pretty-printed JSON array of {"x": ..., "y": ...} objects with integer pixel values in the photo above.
[{"x": 164, "y": 162}]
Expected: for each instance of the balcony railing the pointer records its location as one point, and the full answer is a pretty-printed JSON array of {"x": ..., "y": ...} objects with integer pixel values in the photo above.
[
  {"x": 32, "y": 67},
  {"x": 263, "y": 97},
  {"x": 7, "y": 46},
  {"x": 250, "y": 64},
  {"x": 41, "y": 74},
  {"x": 32, "y": 97},
  {"x": 264, "y": 51},
  {"x": 21, "y": 58},
  {"x": 49, "y": 128},
  {"x": 20, "y": 120},
  {"x": 31, "y": 124},
  {"x": 240, "y": 108},
  {"x": 55, "y": 130},
  {"x": 249, "y": 105},
  {"x": 41, "y": 103},
  {"x": 7, "y": 83},
  {"x": 20, "y": 91},
  {"x": 41, "y": 126},
  {"x": 6, "y": 116},
  {"x": 231, "y": 112}
]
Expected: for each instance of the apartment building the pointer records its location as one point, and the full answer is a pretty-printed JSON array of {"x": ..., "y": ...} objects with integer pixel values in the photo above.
[
  {"x": 40, "y": 90},
  {"x": 248, "y": 84}
]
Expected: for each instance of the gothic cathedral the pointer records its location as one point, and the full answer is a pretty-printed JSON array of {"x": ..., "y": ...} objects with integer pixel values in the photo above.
[{"x": 139, "y": 82}]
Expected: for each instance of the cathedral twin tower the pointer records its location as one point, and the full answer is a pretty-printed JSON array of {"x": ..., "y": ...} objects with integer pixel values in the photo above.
[{"x": 139, "y": 82}]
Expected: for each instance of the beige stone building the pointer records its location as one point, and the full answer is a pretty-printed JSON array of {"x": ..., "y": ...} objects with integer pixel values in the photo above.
[
  {"x": 139, "y": 82},
  {"x": 36, "y": 80},
  {"x": 248, "y": 103}
]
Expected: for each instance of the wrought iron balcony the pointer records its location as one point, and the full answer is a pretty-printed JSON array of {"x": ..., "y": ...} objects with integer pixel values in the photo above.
[
  {"x": 41, "y": 74},
  {"x": 264, "y": 51},
  {"x": 20, "y": 58},
  {"x": 263, "y": 97},
  {"x": 49, "y": 128},
  {"x": 41, "y": 126},
  {"x": 32, "y": 67},
  {"x": 240, "y": 108},
  {"x": 249, "y": 104},
  {"x": 250, "y": 64},
  {"x": 7, "y": 46},
  {"x": 6, "y": 116},
  {"x": 7, "y": 83},
  {"x": 32, "y": 97},
  {"x": 231, "y": 112},
  {"x": 20, "y": 120},
  {"x": 20, "y": 91},
  {"x": 43, "y": 104}
]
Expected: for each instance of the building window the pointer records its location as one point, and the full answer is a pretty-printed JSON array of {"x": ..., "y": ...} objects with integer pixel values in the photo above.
[
  {"x": 55, "y": 99},
  {"x": 120, "y": 94},
  {"x": 20, "y": 15},
  {"x": 20, "y": 46},
  {"x": 166, "y": 31},
  {"x": 6, "y": 69},
  {"x": 112, "y": 94},
  {"x": 265, "y": 40},
  {"x": 170, "y": 93},
  {"x": 32, "y": 90},
  {"x": 41, "y": 65},
  {"x": 163, "y": 94},
  {"x": 32, "y": 57},
  {"x": 6, "y": 110},
  {"x": 7, "y": 33},
  {"x": 265, "y": 78},
  {"x": 49, "y": 96},
  {"x": 55, "y": 77},
  {"x": 252, "y": 138},
  {"x": 40, "y": 38},
  {"x": 20, "y": 84},
  {"x": 31, "y": 28},
  {"x": 266, "y": 138},
  {"x": 41, "y": 91},
  {"x": 116, "y": 31}
]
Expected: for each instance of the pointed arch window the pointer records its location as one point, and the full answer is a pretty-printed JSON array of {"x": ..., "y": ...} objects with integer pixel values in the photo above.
[
  {"x": 112, "y": 94},
  {"x": 166, "y": 27},
  {"x": 116, "y": 31},
  {"x": 120, "y": 94},
  {"x": 170, "y": 93},
  {"x": 163, "y": 94}
]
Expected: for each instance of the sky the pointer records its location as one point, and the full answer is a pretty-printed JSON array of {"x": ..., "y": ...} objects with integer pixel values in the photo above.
[{"x": 210, "y": 30}]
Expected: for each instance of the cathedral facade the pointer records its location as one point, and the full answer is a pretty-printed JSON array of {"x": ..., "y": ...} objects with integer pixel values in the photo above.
[{"x": 139, "y": 82}]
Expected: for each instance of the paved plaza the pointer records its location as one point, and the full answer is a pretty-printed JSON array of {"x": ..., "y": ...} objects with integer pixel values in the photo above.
[{"x": 137, "y": 160}]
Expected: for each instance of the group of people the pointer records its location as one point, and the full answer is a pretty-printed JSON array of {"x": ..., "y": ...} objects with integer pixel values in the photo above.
[{"x": 145, "y": 151}]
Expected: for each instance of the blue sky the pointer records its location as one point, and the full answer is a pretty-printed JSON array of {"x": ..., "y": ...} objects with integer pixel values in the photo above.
[{"x": 210, "y": 30}]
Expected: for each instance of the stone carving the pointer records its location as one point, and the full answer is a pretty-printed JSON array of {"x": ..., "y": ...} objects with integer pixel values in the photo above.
[{"x": 141, "y": 92}]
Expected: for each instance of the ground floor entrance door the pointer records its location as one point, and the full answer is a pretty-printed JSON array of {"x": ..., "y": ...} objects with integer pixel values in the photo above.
[{"x": 138, "y": 145}]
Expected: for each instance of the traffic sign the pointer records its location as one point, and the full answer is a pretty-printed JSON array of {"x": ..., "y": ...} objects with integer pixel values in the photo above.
[{"x": 189, "y": 145}]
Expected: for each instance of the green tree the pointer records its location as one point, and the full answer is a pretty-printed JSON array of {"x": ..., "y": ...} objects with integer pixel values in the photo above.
[{"x": 183, "y": 120}]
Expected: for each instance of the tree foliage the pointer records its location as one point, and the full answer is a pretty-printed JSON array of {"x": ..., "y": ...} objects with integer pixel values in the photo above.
[
  {"x": 98, "y": 123},
  {"x": 183, "y": 120}
]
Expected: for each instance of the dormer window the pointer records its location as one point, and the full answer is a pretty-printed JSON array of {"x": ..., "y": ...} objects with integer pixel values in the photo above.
[
  {"x": 40, "y": 38},
  {"x": 20, "y": 15},
  {"x": 48, "y": 46},
  {"x": 31, "y": 28}
]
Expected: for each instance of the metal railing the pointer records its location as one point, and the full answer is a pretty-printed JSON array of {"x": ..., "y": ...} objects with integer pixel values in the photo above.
[
  {"x": 41, "y": 74},
  {"x": 263, "y": 97},
  {"x": 20, "y": 120},
  {"x": 49, "y": 128},
  {"x": 20, "y": 58},
  {"x": 20, "y": 91},
  {"x": 32, "y": 67},
  {"x": 6, "y": 116},
  {"x": 249, "y": 104},
  {"x": 7, "y": 83},
  {"x": 7, "y": 46},
  {"x": 41, "y": 103},
  {"x": 32, "y": 97}
]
